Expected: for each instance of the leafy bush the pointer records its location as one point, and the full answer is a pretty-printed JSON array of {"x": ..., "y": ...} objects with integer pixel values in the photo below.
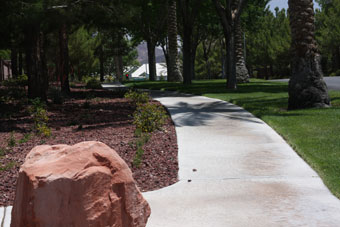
[
  {"x": 93, "y": 84},
  {"x": 21, "y": 81},
  {"x": 109, "y": 79},
  {"x": 149, "y": 117},
  {"x": 137, "y": 97},
  {"x": 40, "y": 117}
]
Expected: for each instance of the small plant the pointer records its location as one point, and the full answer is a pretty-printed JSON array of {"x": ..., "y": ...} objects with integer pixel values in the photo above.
[
  {"x": 138, "y": 157},
  {"x": 40, "y": 117},
  {"x": 2, "y": 151},
  {"x": 143, "y": 138},
  {"x": 5, "y": 99},
  {"x": 137, "y": 97},
  {"x": 93, "y": 84},
  {"x": 11, "y": 141},
  {"x": 8, "y": 166},
  {"x": 149, "y": 117},
  {"x": 42, "y": 142},
  {"x": 25, "y": 139}
]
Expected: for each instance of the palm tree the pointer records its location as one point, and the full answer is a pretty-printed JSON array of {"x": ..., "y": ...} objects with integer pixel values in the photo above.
[
  {"x": 174, "y": 74},
  {"x": 242, "y": 74},
  {"x": 307, "y": 88}
]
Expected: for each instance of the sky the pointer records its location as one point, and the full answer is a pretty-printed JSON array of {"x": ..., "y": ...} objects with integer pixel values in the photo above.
[{"x": 283, "y": 4}]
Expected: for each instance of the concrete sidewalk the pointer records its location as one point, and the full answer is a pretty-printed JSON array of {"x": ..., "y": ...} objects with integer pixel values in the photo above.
[{"x": 234, "y": 170}]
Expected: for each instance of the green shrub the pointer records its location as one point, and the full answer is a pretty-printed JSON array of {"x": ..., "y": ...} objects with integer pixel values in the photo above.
[
  {"x": 2, "y": 151},
  {"x": 149, "y": 117},
  {"x": 11, "y": 141},
  {"x": 21, "y": 81},
  {"x": 93, "y": 84},
  {"x": 40, "y": 117},
  {"x": 109, "y": 79},
  {"x": 137, "y": 97},
  {"x": 25, "y": 139},
  {"x": 142, "y": 140},
  {"x": 5, "y": 99}
]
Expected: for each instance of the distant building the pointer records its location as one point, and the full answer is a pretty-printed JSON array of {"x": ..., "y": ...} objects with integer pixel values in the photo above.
[
  {"x": 5, "y": 70},
  {"x": 142, "y": 73}
]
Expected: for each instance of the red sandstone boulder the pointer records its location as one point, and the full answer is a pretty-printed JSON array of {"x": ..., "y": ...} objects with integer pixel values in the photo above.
[{"x": 87, "y": 184}]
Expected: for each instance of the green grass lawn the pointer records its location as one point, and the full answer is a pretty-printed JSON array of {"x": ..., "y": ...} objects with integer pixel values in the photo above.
[{"x": 313, "y": 133}]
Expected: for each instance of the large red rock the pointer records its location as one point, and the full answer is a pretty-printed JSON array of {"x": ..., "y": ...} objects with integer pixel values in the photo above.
[{"x": 87, "y": 184}]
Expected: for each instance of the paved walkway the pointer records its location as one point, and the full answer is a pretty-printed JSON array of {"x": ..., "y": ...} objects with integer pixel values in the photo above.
[
  {"x": 333, "y": 83},
  {"x": 234, "y": 170}
]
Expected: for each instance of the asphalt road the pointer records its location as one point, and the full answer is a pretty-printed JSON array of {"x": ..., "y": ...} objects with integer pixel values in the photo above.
[{"x": 333, "y": 83}]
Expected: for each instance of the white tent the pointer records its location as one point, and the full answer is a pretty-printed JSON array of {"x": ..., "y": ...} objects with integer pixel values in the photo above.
[{"x": 143, "y": 72}]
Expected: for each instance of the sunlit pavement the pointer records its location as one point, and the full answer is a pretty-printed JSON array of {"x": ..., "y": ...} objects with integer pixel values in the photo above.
[{"x": 234, "y": 170}]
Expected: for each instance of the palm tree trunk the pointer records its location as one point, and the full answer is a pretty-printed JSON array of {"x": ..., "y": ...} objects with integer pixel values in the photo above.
[
  {"x": 173, "y": 68},
  {"x": 307, "y": 88},
  {"x": 242, "y": 75}
]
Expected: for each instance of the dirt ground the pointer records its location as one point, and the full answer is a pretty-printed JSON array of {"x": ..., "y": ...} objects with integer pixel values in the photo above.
[{"x": 106, "y": 117}]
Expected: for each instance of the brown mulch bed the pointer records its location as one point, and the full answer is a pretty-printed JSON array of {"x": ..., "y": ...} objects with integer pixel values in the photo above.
[{"x": 108, "y": 119}]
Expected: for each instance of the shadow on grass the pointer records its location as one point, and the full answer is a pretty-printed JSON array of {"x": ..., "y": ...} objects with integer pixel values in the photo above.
[{"x": 214, "y": 87}]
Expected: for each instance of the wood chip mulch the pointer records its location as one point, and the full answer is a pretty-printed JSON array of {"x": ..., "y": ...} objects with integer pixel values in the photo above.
[{"x": 108, "y": 118}]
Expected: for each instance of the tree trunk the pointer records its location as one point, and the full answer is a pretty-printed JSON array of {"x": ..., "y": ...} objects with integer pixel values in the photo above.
[
  {"x": 223, "y": 60},
  {"x": 20, "y": 63},
  {"x": 64, "y": 59},
  {"x": 118, "y": 61},
  {"x": 14, "y": 61},
  {"x": 336, "y": 59},
  {"x": 229, "y": 18},
  {"x": 242, "y": 75},
  {"x": 152, "y": 60},
  {"x": 101, "y": 63},
  {"x": 174, "y": 74},
  {"x": 165, "y": 49},
  {"x": 187, "y": 57},
  {"x": 206, "y": 53},
  {"x": 193, "y": 59},
  {"x": 306, "y": 86},
  {"x": 121, "y": 67},
  {"x": 36, "y": 63},
  {"x": 230, "y": 60},
  {"x": 1, "y": 70}
]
